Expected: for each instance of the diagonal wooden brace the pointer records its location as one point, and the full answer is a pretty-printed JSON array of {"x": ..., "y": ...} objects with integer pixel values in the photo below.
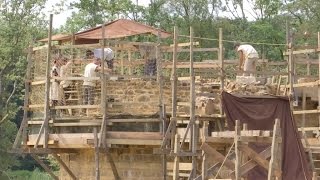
[
  {"x": 257, "y": 158},
  {"x": 217, "y": 156}
]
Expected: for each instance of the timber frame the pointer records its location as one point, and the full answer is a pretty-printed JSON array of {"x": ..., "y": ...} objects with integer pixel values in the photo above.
[{"x": 180, "y": 136}]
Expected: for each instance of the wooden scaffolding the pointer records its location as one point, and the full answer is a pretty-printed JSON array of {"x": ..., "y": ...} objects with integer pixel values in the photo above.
[{"x": 182, "y": 139}]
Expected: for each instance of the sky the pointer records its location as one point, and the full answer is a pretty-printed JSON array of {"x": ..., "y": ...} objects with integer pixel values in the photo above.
[{"x": 60, "y": 19}]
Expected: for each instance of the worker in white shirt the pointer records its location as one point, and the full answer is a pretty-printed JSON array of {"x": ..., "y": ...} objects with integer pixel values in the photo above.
[
  {"x": 247, "y": 57},
  {"x": 91, "y": 70}
]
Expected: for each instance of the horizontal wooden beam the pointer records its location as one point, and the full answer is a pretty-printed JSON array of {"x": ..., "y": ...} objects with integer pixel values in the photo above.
[
  {"x": 303, "y": 51},
  {"x": 83, "y": 140},
  {"x": 315, "y": 111},
  {"x": 186, "y": 44},
  {"x": 27, "y": 150},
  {"x": 301, "y": 85},
  {"x": 77, "y": 107},
  {"x": 182, "y": 166},
  {"x": 230, "y": 140}
]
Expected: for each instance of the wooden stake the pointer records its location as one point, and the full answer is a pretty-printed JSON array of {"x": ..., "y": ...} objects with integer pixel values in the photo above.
[
  {"x": 121, "y": 62},
  {"x": 314, "y": 176},
  {"x": 275, "y": 164},
  {"x": 129, "y": 59},
  {"x": 193, "y": 133},
  {"x": 303, "y": 108},
  {"x": 174, "y": 82},
  {"x": 319, "y": 76},
  {"x": 24, "y": 124},
  {"x": 237, "y": 151},
  {"x": 220, "y": 57},
  {"x": 176, "y": 158},
  {"x": 244, "y": 157},
  {"x": 96, "y": 157},
  {"x": 290, "y": 69},
  {"x": 45, "y": 125},
  {"x": 102, "y": 134},
  {"x": 204, "y": 167}
]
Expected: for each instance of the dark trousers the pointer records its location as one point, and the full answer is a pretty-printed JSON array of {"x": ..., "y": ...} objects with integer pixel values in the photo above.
[{"x": 88, "y": 95}]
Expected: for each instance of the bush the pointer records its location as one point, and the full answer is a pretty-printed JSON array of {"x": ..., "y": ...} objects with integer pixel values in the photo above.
[{"x": 23, "y": 175}]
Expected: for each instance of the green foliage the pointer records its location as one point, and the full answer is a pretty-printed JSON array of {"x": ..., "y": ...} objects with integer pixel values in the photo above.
[
  {"x": 23, "y": 175},
  {"x": 20, "y": 23}
]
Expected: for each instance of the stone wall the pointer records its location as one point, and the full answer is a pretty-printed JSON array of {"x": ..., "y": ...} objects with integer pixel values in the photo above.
[
  {"x": 141, "y": 97},
  {"x": 132, "y": 163}
]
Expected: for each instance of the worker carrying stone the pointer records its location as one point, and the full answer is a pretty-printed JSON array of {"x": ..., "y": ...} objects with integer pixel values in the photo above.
[
  {"x": 108, "y": 57},
  {"x": 247, "y": 57}
]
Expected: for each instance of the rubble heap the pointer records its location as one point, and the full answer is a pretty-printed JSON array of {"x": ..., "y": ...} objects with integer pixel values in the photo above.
[{"x": 251, "y": 89}]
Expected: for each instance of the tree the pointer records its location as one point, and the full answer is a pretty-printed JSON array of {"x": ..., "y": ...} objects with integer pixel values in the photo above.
[
  {"x": 94, "y": 12},
  {"x": 20, "y": 23}
]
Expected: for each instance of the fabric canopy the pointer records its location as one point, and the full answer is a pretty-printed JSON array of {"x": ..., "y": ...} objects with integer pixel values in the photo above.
[
  {"x": 116, "y": 29},
  {"x": 121, "y": 28},
  {"x": 260, "y": 113}
]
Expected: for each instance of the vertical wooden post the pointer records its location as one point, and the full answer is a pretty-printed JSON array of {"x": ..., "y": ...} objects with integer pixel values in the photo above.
[
  {"x": 45, "y": 125},
  {"x": 174, "y": 82},
  {"x": 303, "y": 108},
  {"x": 47, "y": 99},
  {"x": 274, "y": 160},
  {"x": 121, "y": 60},
  {"x": 314, "y": 176},
  {"x": 176, "y": 158},
  {"x": 319, "y": 75},
  {"x": 237, "y": 151},
  {"x": 96, "y": 156},
  {"x": 73, "y": 42},
  {"x": 244, "y": 157},
  {"x": 102, "y": 135},
  {"x": 204, "y": 166},
  {"x": 164, "y": 156},
  {"x": 290, "y": 69},
  {"x": 22, "y": 133},
  {"x": 193, "y": 133},
  {"x": 221, "y": 62},
  {"x": 158, "y": 59},
  {"x": 308, "y": 65},
  {"x": 161, "y": 104},
  {"x": 220, "y": 57},
  {"x": 130, "y": 62}
]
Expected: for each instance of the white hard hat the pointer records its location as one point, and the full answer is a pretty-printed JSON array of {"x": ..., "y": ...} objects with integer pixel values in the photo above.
[{"x": 108, "y": 54}]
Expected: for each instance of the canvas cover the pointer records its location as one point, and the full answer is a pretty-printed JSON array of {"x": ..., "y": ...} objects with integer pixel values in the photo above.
[
  {"x": 115, "y": 29},
  {"x": 260, "y": 113}
]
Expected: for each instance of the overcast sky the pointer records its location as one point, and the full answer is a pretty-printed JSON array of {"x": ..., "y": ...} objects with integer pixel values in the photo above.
[{"x": 60, "y": 19}]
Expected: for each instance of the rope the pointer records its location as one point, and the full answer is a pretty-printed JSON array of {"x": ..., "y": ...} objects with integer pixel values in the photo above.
[
  {"x": 232, "y": 41},
  {"x": 223, "y": 161}
]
